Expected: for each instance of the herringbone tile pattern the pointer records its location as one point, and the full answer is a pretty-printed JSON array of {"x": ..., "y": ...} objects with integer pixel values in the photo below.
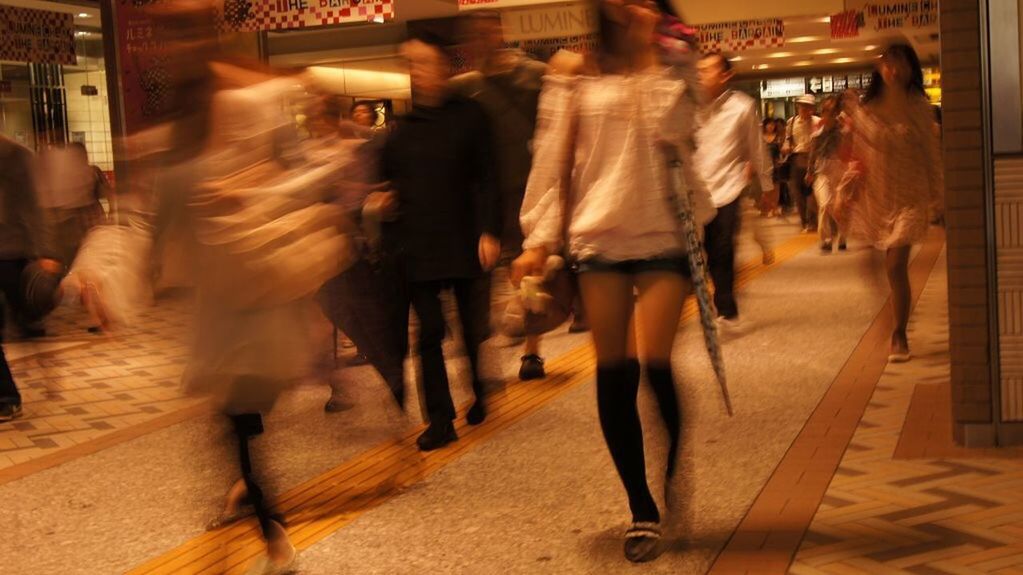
[
  {"x": 921, "y": 516},
  {"x": 79, "y": 386}
]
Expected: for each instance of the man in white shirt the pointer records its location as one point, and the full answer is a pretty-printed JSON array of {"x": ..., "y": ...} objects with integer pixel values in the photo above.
[
  {"x": 729, "y": 153},
  {"x": 798, "y": 135}
]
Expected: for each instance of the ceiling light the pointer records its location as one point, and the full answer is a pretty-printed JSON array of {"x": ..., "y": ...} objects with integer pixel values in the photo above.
[
  {"x": 735, "y": 59},
  {"x": 781, "y": 55},
  {"x": 760, "y": 67},
  {"x": 824, "y": 20},
  {"x": 870, "y": 48},
  {"x": 804, "y": 39},
  {"x": 83, "y": 15},
  {"x": 842, "y": 60},
  {"x": 804, "y": 63},
  {"x": 826, "y": 51}
]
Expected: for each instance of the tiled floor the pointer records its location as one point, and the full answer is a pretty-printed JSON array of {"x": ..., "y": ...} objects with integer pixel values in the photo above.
[
  {"x": 927, "y": 515},
  {"x": 872, "y": 483},
  {"x": 77, "y": 387}
]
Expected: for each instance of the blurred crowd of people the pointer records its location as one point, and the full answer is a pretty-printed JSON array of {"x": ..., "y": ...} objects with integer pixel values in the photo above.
[{"x": 575, "y": 189}]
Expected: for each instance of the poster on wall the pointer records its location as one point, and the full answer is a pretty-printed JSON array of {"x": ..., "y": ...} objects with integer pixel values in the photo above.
[
  {"x": 37, "y": 36},
  {"x": 739, "y": 36},
  {"x": 144, "y": 89},
  {"x": 258, "y": 15},
  {"x": 865, "y": 19}
]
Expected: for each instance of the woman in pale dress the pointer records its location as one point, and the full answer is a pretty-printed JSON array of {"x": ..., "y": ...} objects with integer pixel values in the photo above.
[
  {"x": 902, "y": 184},
  {"x": 622, "y": 234},
  {"x": 826, "y": 170}
]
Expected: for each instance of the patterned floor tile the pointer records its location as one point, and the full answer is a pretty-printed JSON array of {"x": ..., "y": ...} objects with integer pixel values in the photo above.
[{"x": 920, "y": 515}]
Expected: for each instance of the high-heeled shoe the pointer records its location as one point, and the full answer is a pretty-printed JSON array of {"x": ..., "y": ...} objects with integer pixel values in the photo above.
[
  {"x": 265, "y": 566},
  {"x": 643, "y": 541},
  {"x": 236, "y": 508}
]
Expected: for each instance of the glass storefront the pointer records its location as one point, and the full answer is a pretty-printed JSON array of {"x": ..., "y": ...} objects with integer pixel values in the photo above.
[{"x": 44, "y": 104}]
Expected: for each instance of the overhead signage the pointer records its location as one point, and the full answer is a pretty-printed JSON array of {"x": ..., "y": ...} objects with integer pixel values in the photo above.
[
  {"x": 743, "y": 35},
  {"x": 865, "y": 18},
  {"x": 785, "y": 88},
  {"x": 498, "y": 4},
  {"x": 288, "y": 14},
  {"x": 829, "y": 85},
  {"x": 37, "y": 36},
  {"x": 562, "y": 21}
]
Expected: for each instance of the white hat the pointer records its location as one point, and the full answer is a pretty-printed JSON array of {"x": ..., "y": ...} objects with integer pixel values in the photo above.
[{"x": 808, "y": 99}]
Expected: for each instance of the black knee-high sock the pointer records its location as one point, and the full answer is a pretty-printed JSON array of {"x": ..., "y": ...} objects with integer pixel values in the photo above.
[
  {"x": 246, "y": 426},
  {"x": 617, "y": 386},
  {"x": 663, "y": 383}
]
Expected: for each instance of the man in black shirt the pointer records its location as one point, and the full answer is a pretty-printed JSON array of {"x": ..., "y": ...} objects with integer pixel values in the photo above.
[{"x": 446, "y": 225}]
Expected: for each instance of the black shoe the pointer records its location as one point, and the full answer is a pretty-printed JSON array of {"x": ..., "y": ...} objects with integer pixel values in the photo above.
[
  {"x": 477, "y": 413},
  {"x": 357, "y": 360},
  {"x": 436, "y": 436},
  {"x": 532, "y": 368},
  {"x": 9, "y": 410},
  {"x": 336, "y": 404},
  {"x": 579, "y": 326},
  {"x": 842, "y": 247},
  {"x": 826, "y": 247},
  {"x": 32, "y": 332}
]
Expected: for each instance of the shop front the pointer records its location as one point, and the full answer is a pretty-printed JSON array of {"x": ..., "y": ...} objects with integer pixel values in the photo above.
[{"x": 53, "y": 86}]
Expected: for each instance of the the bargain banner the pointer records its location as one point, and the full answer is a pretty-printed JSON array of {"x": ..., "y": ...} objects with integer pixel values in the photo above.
[
  {"x": 256, "y": 15},
  {"x": 37, "y": 36},
  {"x": 865, "y": 19}
]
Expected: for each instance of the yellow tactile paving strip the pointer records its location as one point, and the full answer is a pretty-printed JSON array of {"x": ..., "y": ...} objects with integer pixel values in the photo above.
[
  {"x": 930, "y": 515},
  {"x": 772, "y": 530},
  {"x": 321, "y": 506}
]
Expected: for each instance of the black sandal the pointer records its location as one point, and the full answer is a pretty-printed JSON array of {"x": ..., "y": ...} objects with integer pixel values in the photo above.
[{"x": 642, "y": 541}]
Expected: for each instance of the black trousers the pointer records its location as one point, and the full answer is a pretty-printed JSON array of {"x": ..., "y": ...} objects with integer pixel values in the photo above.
[
  {"x": 10, "y": 286},
  {"x": 473, "y": 299},
  {"x": 802, "y": 193},
  {"x": 720, "y": 243}
]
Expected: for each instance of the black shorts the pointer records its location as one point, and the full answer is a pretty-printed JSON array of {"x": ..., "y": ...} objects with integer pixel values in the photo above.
[{"x": 676, "y": 264}]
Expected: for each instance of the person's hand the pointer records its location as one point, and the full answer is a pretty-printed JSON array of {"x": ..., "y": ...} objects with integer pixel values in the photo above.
[
  {"x": 530, "y": 263},
  {"x": 51, "y": 266},
  {"x": 489, "y": 251},
  {"x": 384, "y": 205}
]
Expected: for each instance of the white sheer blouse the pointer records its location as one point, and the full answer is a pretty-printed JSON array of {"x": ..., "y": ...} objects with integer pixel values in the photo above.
[{"x": 618, "y": 197}]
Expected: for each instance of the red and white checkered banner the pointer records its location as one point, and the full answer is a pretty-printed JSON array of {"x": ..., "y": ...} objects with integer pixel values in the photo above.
[
  {"x": 743, "y": 35},
  {"x": 254, "y": 15},
  {"x": 37, "y": 36},
  {"x": 499, "y": 4},
  {"x": 865, "y": 19}
]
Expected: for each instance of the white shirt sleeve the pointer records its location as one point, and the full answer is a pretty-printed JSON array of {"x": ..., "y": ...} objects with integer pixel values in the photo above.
[
  {"x": 541, "y": 216},
  {"x": 756, "y": 151}
]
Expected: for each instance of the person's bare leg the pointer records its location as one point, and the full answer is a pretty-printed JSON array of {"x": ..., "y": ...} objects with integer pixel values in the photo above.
[
  {"x": 531, "y": 345},
  {"x": 897, "y": 265},
  {"x": 608, "y": 298}
]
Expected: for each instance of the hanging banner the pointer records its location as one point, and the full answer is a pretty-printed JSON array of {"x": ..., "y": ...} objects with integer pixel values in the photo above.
[
  {"x": 37, "y": 36},
  {"x": 563, "y": 21},
  {"x": 498, "y": 4},
  {"x": 865, "y": 19},
  {"x": 743, "y": 35},
  {"x": 145, "y": 91},
  {"x": 253, "y": 16}
]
